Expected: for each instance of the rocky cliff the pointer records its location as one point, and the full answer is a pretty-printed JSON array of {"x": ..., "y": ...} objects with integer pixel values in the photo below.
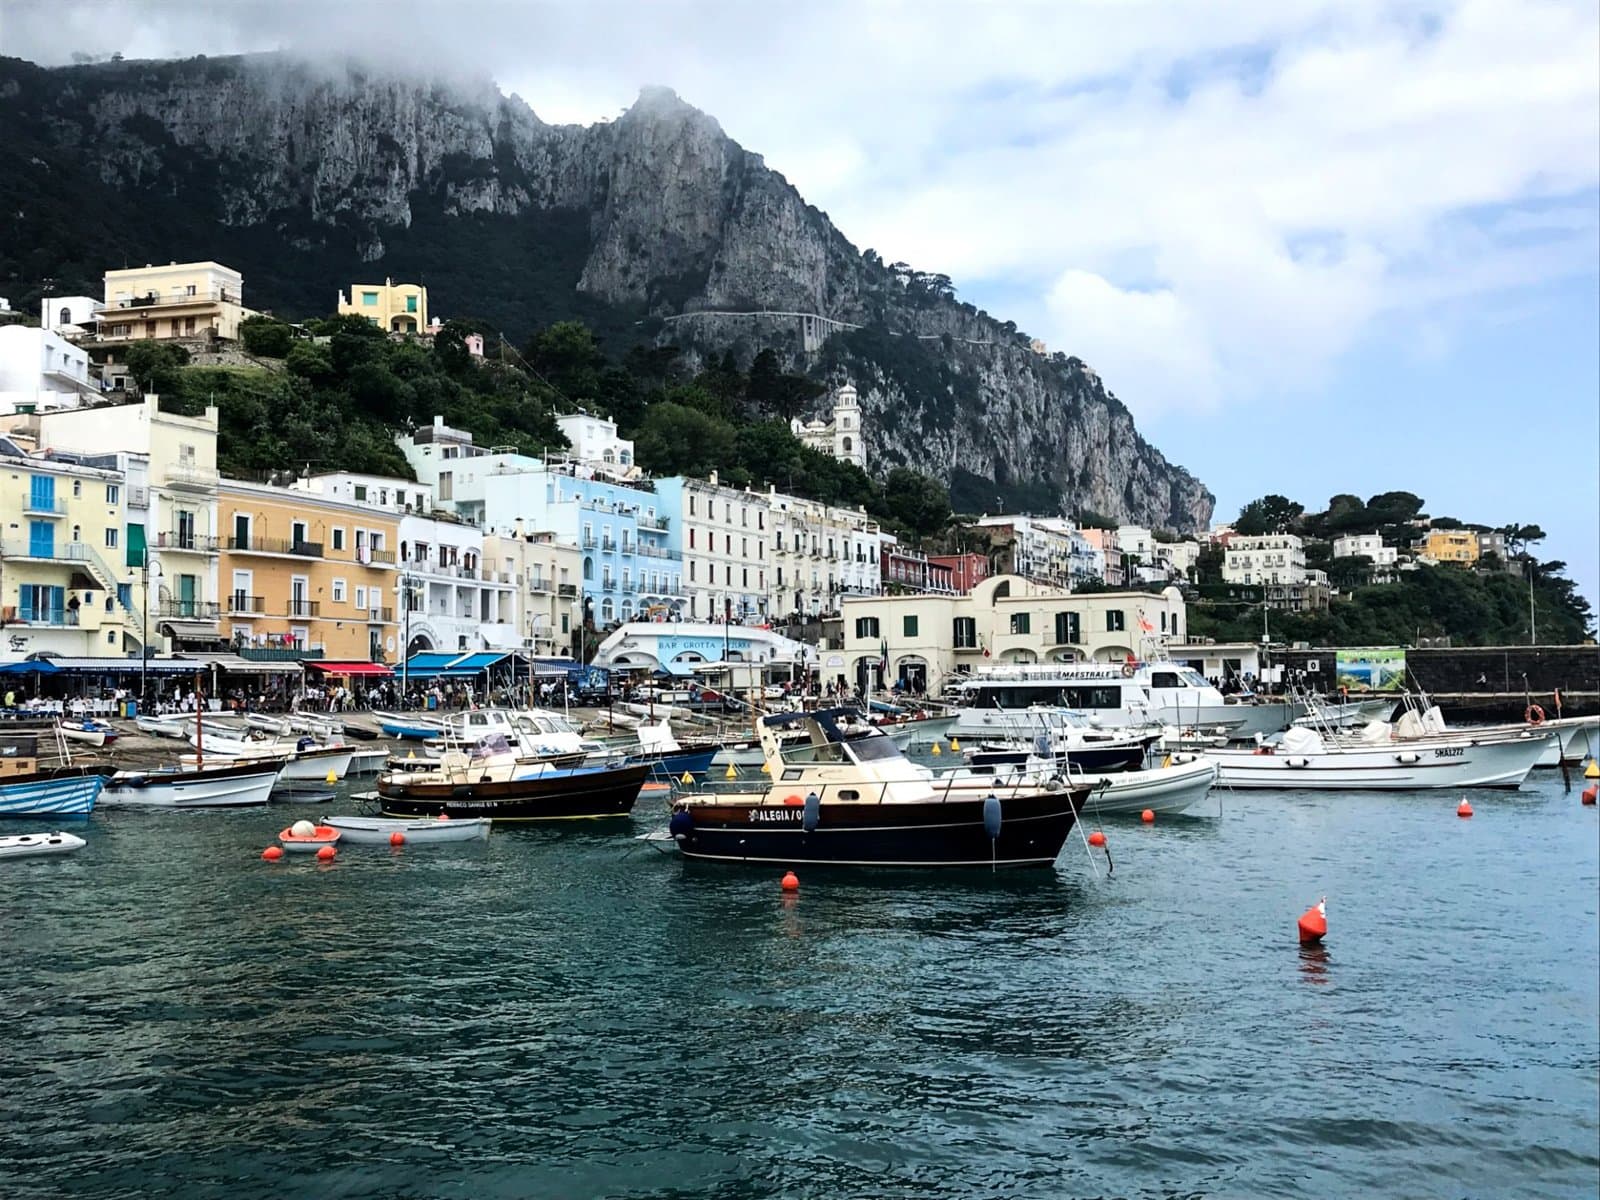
[{"x": 309, "y": 176}]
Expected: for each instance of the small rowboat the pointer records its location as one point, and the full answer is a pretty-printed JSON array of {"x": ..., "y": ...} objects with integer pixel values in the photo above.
[
  {"x": 295, "y": 839},
  {"x": 380, "y": 831},
  {"x": 96, "y": 733},
  {"x": 160, "y": 726},
  {"x": 35, "y": 845}
]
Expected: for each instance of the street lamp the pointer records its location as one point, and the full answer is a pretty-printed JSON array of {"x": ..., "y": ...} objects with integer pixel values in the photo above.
[
  {"x": 407, "y": 582},
  {"x": 144, "y": 631}
]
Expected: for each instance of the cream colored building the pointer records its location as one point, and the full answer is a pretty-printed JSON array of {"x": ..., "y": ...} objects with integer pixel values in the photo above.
[
  {"x": 820, "y": 554},
  {"x": 840, "y": 437},
  {"x": 1005, "y": 619},
  {"x": 546, "y": 572},
  {"x": 392, "y": 307},
  {"x": 179, "y": 300},
  {"x": 179, "y": 533}
]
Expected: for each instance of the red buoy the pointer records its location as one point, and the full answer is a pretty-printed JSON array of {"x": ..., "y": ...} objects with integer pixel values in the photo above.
[
  {"x": 1590, "y": 793},
  {"x": 326, "y": 853},
  {"x": 1097, "y": 838},
  {"x": 1147, "y": 816},
  {"x": 1463, "y": 809},
  {"x": 1314, "y": 923},
  {"x": 397, "y": 838},
  {"x": 272, "y": 853},
  {"x": 790, "y": 882}
]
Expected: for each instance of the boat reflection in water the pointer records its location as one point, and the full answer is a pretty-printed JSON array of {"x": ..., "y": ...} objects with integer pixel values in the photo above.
[{"x": 846, "y": 795}]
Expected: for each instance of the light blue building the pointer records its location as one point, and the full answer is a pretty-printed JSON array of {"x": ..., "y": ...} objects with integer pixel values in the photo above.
[{"x": 630, "y": 572}]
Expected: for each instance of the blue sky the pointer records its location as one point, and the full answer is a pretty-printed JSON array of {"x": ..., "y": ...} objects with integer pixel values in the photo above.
[{"x": 1332, "y": 245}]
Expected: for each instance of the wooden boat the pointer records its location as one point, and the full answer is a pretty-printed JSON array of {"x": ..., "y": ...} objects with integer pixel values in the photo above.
[
  {"x": 511, "y": 791},
  {"x": 224, "y": 785},
  {"x": 305, "y": 838},
  {"x": 849, "y": 797},
  {"x": 56, "y": 792},
  {"x": 88, "y": 730},
  {"x": 376, "y": 831},
  {"x": 35, "y": 845}
]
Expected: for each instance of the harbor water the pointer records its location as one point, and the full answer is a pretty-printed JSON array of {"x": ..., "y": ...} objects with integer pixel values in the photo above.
[{"x": 568, "y": 1012}]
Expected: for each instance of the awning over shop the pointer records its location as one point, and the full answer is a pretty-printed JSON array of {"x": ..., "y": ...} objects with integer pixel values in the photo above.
[
  {"x": 455, "y": 666},
  {"x": 93, "y": 666},
  {"x": 232, "y": 664},
  {"x": 349, "y": 668},
  {"x": 189, "y": 630}
]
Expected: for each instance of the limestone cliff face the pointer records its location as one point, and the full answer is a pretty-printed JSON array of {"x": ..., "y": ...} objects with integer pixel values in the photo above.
[{"x": 344, "y": 164}]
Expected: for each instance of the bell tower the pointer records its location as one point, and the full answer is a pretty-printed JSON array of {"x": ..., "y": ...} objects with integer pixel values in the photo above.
[{"x": 847, "y": 444}]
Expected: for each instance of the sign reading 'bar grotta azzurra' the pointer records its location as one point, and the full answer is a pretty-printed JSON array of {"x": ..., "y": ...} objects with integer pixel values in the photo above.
[{"x": 670, "y": 647}]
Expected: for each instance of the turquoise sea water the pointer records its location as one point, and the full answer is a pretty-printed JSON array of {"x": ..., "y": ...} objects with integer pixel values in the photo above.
[{"x": 569, "y": 1013}]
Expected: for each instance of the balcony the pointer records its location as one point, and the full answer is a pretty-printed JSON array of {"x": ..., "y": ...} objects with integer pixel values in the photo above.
[
  {"x": 657, "y": 552},
  {"x": 189, "y": 610},
  {"x": 197, "y": 543},
  {"x": 199, "y": 296},
  {"x": 589, "y": 541},
  {"x": 568, "y": 590},
  {"x": 189, "y": 476},
  {"x": 538, "y": 584},
  {"x": 380, "y": 558},
  {"x": 267, "y": 545},
  {"x": 380, "y": 615},
  {"x": 304, "y": 608},
  {"x": 652, "y": 522},
  {"x": 240, "y": 605},
  {"x": 40, "y": 506}
]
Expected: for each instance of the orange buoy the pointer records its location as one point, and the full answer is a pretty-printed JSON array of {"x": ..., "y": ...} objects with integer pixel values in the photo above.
[
  {"x": 272, "y": 853},
  {"x": 1097, "y": 838},
  {"x": 397, "y": 838},
  {"x": 1147, "y": 816},
  {"x": 1314, "y": 923},
  {"x": 1463, "y": 809},
  {"x": 791, "y": 882},
  {"x": 1590, "y": 793},
  {"x": 326, "y": 854},
  {"x": 444, "y": 816}
]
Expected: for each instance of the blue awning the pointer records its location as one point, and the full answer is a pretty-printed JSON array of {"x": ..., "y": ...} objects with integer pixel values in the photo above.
[{"x": 455, "y": 666}]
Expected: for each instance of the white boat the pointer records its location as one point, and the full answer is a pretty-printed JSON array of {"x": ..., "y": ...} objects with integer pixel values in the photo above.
[
  {"x": 917, "y": 731},
  {"x": 310, "y": 763},
  {"x": 376, "y": 831},
  {"x": 89, "y": 731},
  {"x": 1322, "y": 713},
  {"x": 367, "y": 762},
  {"x": 276, "y": 726},
  {"x": 1176, "y": 785},
  {"x": 225, "y": 785},
  {"x": 36, "y": 845},
  {"x": 1302, "y": 760},
  {"x": 995, "y": 701},
  {"x": 169, "y": 727}
]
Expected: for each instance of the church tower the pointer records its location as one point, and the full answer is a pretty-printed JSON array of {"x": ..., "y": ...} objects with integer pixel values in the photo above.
[{"x": 847, "y": 444}]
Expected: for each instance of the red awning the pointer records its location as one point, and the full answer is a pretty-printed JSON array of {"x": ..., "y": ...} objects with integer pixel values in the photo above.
[{"x": 350, "y": 668}]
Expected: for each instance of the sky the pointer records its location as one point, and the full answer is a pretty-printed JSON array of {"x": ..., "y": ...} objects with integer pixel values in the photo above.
[{"x": 1314, "y": 247}]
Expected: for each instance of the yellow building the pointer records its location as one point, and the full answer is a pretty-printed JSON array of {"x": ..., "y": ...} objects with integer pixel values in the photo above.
[
  {"x": 394, "y": 307},
  {"x": 302, "y": 572},
  {"x": 62, "y": 586},
  {"x": 179, "y": 300},
  {"x": 1449, "y": 546}
]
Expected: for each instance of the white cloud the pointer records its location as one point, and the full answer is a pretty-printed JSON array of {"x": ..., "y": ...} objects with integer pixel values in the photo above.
[{"x": 1204, "y": 201}]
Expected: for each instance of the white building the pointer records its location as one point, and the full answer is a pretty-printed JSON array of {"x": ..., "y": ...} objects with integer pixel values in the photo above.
[
  {"x": 1040, "y": 548},
  {"x": 455, "y": 471},
  {"x": 545, "y": 572},
  {"x": 595, "y": 442},
  {"x": 928, "y": 639},
  {"x": 820, "y": 554},
  {"x": 399, "y": 496},
  {"x": 840, "y": 437},
  {"x": 40, "y": 369},
  {"x": 1137, "y": 543},
  {"x": 1182, "y": 555},
  {"x": 1269, "y": 558},
  {"x": 722, "y": 534},
  {"x": 452, "y": 598},
  {"x": 1367, "y": 545},
  {"x": 70, "y": 316}
]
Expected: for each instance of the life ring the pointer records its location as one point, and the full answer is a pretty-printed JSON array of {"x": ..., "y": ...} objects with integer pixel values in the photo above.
[
  {"x": 1534, "y": 715},
  {"x": 1127, "y": 670}
]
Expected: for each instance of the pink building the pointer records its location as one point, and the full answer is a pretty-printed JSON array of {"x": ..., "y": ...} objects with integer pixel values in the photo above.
[{"x": 966, "y": 570}]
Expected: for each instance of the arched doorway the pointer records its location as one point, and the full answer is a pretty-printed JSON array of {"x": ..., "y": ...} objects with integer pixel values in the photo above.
[
  {"x": 420, "y": 643},
  {"x": 911, "y": 673}
]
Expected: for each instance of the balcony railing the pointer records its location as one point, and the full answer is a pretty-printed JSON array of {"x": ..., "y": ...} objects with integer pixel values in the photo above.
[
  {"x": 380, "y": 557},
  {"x": 589, "y": 541},
  {"x": 567, "y": 589},
  {"x": 174, "y": 299},
  {"x": 652, "y": 522},
  {"x": 386, "y": 615},
  {"x": 189, "y": 475},
  {"x": 304, "y": 608},
  {"x": 193, "y": 610},
  {"x": 657, "y": 552},
  {"x": 537, "y": 583},
  {"x": 177, "y": 539},
  {"x": 608, "y": 544},
  {"x": 240, "y": 605},
  {"x": 38, "y": 506},
  {"x": 268, "y": 545}
]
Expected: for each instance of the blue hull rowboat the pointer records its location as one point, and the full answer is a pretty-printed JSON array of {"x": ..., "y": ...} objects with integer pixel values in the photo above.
[
  {"x": 412, "y": 733},
  {"x": 50, "y": 795}
]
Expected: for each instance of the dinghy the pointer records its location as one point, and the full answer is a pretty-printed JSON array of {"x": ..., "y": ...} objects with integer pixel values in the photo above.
[
  {"x": 95, "y": 733},
  {"x": 305, "y": 838},
  {"x": 169, "y": 727},
  {"x": 375, "y": 831},
  {"x": 36, "y": 845}
]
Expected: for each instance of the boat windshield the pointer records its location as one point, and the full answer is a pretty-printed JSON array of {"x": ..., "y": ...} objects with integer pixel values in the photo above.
[{"x": 873, "y": 748}]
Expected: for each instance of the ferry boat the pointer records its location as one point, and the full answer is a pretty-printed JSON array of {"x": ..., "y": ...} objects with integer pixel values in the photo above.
[
  {"x": 847, "y": 796},
  {"x": 995, "y": 702}
]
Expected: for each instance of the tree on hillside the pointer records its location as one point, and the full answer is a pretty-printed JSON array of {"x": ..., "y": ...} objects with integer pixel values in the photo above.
[
  {"x": 567, "y": 357},
  {"x": 1520, "y": 537},
  {"x": 674, "y": 440},
  {"x": 155, "y": 366},
  {"x": 265, "y": 337},
  {"x": 1393, "y": 508},
  {"x": 917, "y": 501},
  {"x": 1350, "y": 571},
  {"x": 1270, "y": 514}
]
